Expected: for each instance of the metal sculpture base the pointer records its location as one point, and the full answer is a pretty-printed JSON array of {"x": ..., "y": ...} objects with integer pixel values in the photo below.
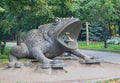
[
  {"x": 92, "y": 61},
  {"x": 54, "y": 66}
]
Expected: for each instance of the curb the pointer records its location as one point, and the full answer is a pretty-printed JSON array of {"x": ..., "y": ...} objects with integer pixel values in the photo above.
[{"x": 115, "y": 51}]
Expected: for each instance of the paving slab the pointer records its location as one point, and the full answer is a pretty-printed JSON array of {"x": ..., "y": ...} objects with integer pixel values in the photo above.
[
  {"x": 107, "y": 56},
  {"x": 73, "y": 73}
]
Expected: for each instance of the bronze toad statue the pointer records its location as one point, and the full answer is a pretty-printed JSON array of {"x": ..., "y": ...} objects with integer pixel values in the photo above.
[{"x": 48, "y": 41}]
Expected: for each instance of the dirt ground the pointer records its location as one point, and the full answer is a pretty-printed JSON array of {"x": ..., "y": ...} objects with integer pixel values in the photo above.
[{"x": 73, "y": 73}]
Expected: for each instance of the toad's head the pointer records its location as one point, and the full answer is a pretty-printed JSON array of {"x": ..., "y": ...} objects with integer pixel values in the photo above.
[{"x": 67, "y": 31}]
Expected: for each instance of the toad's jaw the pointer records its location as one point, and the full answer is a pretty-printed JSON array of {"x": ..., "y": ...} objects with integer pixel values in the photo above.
[{"x": 68, "y": 34}]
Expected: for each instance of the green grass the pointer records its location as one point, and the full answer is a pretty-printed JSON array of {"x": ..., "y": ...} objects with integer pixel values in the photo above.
[
  {"x": 98, "y": 46},
  {"x": 114, "y": 80},
  {"x": 21, "y": 82},
  {"x": 82, "y": 45},
  {"x": 4, "y": 56},
  {"x": 6, "y": 50}
]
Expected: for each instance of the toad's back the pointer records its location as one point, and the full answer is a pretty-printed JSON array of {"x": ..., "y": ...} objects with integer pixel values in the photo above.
[{"x": 33, "y": 38}]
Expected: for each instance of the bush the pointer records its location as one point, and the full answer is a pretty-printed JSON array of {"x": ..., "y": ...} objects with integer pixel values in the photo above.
[
  {"x": 6, "y": 50},
  {"x": 114, "y": 40}
]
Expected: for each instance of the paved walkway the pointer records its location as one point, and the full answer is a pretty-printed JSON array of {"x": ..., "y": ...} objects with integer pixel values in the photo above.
[
  {"x": 10, "y": 44},
  {"x": 74, "y": 72},
  {"x": 107, "y": 56}
]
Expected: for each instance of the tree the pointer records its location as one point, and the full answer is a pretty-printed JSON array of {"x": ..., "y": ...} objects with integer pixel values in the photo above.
[
  {"x": 4, "y": 23},
  {"x": 28, "y": 14},
  {"x": 117, "y": 12},
  {"x": 119, "y": 28},
  {"x": 103, "y": 11},
  {"x": 95, "y": 31},
  {"x": 21, "y": 11}
]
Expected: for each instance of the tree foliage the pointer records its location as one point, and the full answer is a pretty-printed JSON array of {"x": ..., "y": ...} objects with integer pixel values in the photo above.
[
  {"x": 23, "y": 15},
  {"x": 95, "y": 32}
]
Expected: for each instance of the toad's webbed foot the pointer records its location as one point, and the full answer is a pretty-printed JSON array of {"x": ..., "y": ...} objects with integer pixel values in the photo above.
[
  {"x": 15, "y": 65},
  {"x": 87, "y": 59}
]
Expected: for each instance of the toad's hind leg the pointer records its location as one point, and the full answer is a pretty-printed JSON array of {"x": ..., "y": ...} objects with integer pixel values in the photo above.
[
  {"x": 12, "y": 60},
  {"x": 16, "y": 53}
]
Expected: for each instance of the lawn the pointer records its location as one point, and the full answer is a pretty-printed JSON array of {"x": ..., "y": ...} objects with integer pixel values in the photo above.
[
  {"x": 81, "y": 44},
  {"x": 114, "y": 80},
  {"x": 98, "y": 46}
]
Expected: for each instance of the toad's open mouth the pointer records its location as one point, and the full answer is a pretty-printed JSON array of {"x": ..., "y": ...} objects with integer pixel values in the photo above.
[{"x": 69, "y": 34}]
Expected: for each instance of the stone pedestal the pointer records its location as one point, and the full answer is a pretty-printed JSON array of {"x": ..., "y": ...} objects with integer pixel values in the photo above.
[
  {"x": 49, "y": 71},
  {"x": 44, "y": 71}
]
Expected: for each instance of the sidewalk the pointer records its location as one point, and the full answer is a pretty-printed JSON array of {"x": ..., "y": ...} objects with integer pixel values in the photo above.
[
  {"x": 10, "y": 44},
  {"x": 107, "y": 56}
]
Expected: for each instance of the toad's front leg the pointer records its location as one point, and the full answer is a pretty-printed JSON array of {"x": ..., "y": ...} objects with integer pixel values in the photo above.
[
  {"x": 46, "y": 63},
  {"x": 87, "y": 59}
]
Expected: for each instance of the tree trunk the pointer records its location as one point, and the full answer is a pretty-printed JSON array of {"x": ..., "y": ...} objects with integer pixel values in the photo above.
[
  {"x": 105, "y": 43},
  {"x": 105, "y": 34},
  {"x": 110, "y": 31},
  {"x": 87, "y": 34},
  {"x": 119, "y": 28},
  {"x": 12, "y": 34},
  {"x": 19, "y": 37},
  {"x": 2, "y": 46}
]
